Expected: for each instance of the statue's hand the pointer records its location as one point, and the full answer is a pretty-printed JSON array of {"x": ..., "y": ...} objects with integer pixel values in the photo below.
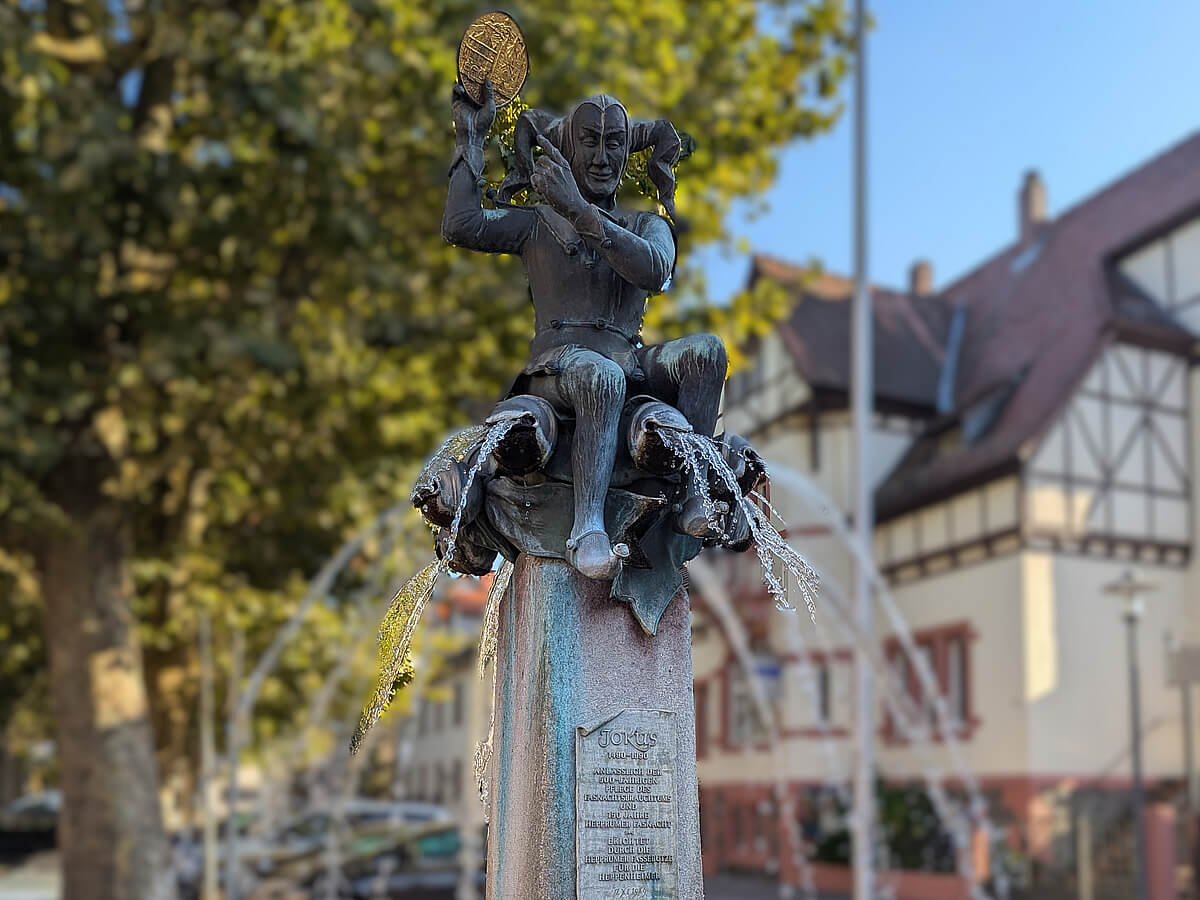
[
  {"x": 552, "y": 178},
  {"x": 472, "y": 120}
]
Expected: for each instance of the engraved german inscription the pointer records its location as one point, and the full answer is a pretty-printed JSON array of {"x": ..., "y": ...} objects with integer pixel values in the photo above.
[{"x": 625, "y": 807}]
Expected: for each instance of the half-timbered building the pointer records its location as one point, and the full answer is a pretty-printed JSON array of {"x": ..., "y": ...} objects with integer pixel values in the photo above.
[{"x": 1035, "y": 435}]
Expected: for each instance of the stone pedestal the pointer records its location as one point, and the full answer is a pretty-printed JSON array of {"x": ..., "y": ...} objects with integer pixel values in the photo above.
[
  {"x": 569, "y": 656},
  {"x": 1161, "y": 855}
]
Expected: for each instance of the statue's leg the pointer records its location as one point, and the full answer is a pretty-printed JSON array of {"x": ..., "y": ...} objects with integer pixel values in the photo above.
[
  {"x": 593, "y": 386},
  {"x": 689, "y": 374}
]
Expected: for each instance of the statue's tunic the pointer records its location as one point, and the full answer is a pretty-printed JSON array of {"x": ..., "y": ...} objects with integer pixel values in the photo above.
[{"x": 587, "y": 292}]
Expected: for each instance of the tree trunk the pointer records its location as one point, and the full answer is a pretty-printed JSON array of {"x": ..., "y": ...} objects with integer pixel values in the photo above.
[{"x": 110, "y": 830}]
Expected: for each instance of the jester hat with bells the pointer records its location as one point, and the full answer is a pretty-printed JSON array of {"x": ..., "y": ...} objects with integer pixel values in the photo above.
[{"x": 659, "y": 135}]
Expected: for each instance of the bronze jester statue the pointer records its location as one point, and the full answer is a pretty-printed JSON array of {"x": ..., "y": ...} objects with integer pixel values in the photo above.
[{"x": 590, "y": 383}]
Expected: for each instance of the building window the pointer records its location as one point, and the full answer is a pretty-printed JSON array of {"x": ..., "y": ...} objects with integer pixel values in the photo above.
[
  {"x": 455, "y": 790},
  {"x": 718, "y": 822},
  {"x": 744, "y": 721},
  {"x": 946, "y": 651},
  {"x": 901, "y": 684},
  {"x": 928, "y": 651},
  {"x": 956, "y": 679},
  {"x": 423, "y": 717},
  {"x": 438, "y": 715},
  {"x": 438, "y": 787},
  {"x": 458, "y": 703},
  {"x": 700, "y": 694},
  {"x": 824, "y": 693}
]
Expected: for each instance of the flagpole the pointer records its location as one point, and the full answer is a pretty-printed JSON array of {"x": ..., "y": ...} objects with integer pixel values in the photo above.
[{"x": 861, "y": 413}]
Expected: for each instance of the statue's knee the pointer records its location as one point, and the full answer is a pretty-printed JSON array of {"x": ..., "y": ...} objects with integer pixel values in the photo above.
[
  {"x": 710, "y": 352},
  {"x": 599, "y": 376}
]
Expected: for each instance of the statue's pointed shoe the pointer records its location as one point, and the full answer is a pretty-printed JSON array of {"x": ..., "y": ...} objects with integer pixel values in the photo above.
[
  {"x": 593, "y": 556},
  {"x": 700, "y": 520}
]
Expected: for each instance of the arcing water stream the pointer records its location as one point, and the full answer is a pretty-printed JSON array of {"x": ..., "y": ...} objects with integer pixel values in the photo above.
[
  {"x": 702, "y": 457},
  {"x": 717, "y": 600},
  {"x": 404, "y": 613},
  {"x": 897, "y": 700},
  {"x": 487, "y": 657}
]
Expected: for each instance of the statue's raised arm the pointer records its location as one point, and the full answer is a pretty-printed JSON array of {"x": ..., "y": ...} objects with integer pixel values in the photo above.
[{"x": 465, "y": 222}]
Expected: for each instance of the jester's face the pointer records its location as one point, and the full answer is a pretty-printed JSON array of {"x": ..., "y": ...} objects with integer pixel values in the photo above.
[{"x": 599, "y": 147}]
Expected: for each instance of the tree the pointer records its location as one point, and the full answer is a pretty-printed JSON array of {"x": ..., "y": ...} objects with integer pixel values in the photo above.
[{"x": 229, "y": 327}]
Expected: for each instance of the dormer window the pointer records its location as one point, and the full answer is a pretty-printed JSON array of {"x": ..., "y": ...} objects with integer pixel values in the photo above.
[{"x": 1168, "y": 270}]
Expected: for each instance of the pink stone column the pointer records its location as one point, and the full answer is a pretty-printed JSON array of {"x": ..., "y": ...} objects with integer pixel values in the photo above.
[
  {"x": 1160, "y": 851},
  {"x": 979, "y": 853},
  {"x": 568, "y": 655}
]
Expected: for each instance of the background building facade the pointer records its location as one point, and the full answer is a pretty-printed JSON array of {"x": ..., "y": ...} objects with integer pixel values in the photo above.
[{"x": 1035, "y": 436}]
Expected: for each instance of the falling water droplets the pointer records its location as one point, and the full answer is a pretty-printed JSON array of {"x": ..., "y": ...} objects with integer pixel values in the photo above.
[
  {"x": 701, "y": 456},
  {"x": 395, "y": 638},
  {"x": 404, "y": 614},
  {"x": 487, "y": 656},
  {"x": 495, "y": 434}
]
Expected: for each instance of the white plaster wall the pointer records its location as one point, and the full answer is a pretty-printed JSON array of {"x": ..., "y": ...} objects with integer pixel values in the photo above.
[
  {"x": 709, "y": 650},
  {"x": 1190, "y": 629},
  {"x": 1077, "y": 671},
  {"x": 443, "y": 745}
]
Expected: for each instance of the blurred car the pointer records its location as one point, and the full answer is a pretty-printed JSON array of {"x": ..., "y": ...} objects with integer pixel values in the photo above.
[
  {"x": 187, "y": 851},
  {"x": 421, "y": 865},
  {"x": 410, "y": 813},
  {"x": 29, "y": 824},
  {"x": 313, "y": 831},
  {"x": 364, "y": 824}
]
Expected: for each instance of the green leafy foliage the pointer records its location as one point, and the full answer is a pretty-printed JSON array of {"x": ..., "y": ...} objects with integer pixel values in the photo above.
[
  {"x": 23, "y": 660},
  {"x": 909, "y": 828},
  {"x": 225, "y": 304}
]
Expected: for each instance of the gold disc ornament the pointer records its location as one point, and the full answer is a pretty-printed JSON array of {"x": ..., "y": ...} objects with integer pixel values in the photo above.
[{"x": 493, "y": 47}]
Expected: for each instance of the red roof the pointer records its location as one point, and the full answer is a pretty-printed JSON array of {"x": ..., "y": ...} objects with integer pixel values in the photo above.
[
  {"x": 1037, "y": 314},
  {"x": 466, "y": 596},
  {"x": 910, "y": 334}
]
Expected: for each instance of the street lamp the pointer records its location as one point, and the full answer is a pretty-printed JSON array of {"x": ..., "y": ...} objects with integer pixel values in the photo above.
[{"x": 1130, "y": 589}]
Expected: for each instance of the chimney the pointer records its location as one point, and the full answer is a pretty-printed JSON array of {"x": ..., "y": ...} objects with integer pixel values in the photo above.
[
  {"x": 920, "y": 278},
  {"x": 1032, "y": 205}
]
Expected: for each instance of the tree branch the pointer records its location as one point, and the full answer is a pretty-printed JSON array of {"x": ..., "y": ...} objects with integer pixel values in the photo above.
[{"x": 152, "y": 115}]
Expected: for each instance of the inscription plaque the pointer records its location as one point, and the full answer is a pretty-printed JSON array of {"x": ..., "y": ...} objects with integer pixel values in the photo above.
[{"x": 625, "y": 807}]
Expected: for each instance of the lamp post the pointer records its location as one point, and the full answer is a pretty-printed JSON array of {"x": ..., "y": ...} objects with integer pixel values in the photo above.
[
  {"x": 1183, "y": 669},
  {"x": 1130, "y": 589}
]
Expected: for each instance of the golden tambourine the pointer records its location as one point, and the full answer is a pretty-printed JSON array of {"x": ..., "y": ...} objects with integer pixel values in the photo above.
[{"x": 493, "y": 47}]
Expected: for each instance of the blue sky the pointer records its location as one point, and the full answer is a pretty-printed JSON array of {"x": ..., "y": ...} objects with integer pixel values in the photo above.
[{"x": 964, "y": 97}]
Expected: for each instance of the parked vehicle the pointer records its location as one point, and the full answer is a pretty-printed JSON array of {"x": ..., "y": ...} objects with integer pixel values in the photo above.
[
  {"x": 411, "y": 813},
  {"x": 297, "y": 847},
  {"x": 422, "y": 865},
  {"x": 29, "y": 824}
]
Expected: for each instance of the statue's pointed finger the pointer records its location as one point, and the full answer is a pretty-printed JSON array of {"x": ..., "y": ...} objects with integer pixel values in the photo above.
[{"x": 552, "y": 151}]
